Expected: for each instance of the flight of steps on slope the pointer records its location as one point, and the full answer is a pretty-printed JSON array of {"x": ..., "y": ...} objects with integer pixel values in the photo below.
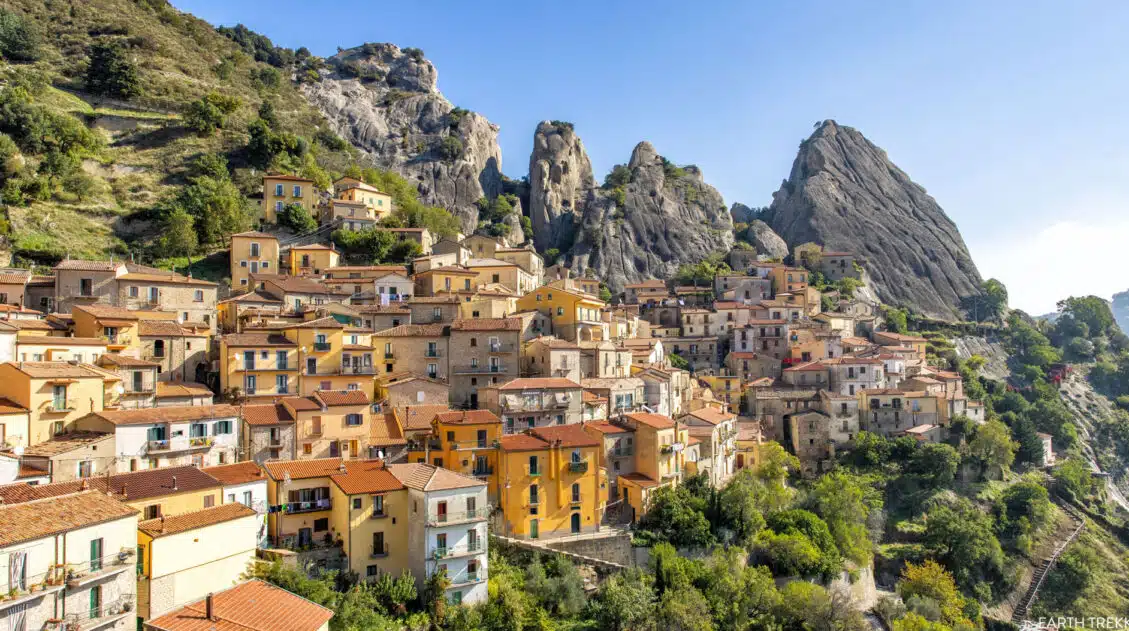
[{"x": 1024, "y": 606}]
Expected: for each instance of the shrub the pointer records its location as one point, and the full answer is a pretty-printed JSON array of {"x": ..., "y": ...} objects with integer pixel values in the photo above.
[
  {"x": 414, "y": 53},
  {"x": 111, "y": 73},
  {"x": 19, "y": 38},
  {"x": 330, "y": 140},
  {"x": 297, "y": 218},
  {"x": 206, "y": 115},
  {"x": 620, "y": 175},
  {"x": 267, "y": 77},
  {"x": 450, "y": 148}
]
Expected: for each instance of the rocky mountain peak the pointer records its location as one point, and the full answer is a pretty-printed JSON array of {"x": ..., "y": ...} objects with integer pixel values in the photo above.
[
  {"x": 845, "y": 193},
  {"x": 385, "y": 101},
  {"x": 643, "y": 155},
  {"x": 560, "y": 180}
]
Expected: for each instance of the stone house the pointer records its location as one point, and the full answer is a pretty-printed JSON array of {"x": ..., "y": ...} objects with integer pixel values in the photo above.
[
  {"x": 421, "y": 349},
  {"x": 486, "y": 351}
]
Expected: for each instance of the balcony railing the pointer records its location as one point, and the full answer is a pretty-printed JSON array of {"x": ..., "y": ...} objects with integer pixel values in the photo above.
[
  {"x": 83, "y": 619},
  {"x": 295, "y": 508},
  {"x": 432, "y": 353},
  {"x": 483, "y": 472},
  {"x": 501, "y": 347},
  {"x": 389, "y": 355},
  {"x": 474, "y": 514},
  {"x": 376, "y": 552},
  {"x": 474, "y": 547},
  {"x": 79, "y": 574},
  {"x": 473, "y": 445},
  {"x": 622, "y": 452},
  {"x": 61, "y": 405},
  {"x": 376, "y": 515},
  {"x": 480, "y": 369},
  {"x": 532, "y": 471},
  {"x": 181, "y": 444},
  {"x": 358, "y": 370},
  {"x": 578, "y": 467},
  {"x": 321, "y": 347}
]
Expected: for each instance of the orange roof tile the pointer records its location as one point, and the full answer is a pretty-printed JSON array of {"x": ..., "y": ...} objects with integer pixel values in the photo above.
[
  {"x": 605, "y": 427},
  {"x": 303, "y": 469},
  {"x": 567, "y": 435},
  {"x": 468, "y": 417},
  {"x": 270, "y": 414},
  {"x": 51, "y": 516},
  {"x": 712, "y": 416},
  {"x": 657, "y": 421},
  {"x": 426, "y": 477},
  {"x": 236, "y": 473},
  {"x": 183, "y": 522},
  {"x": 487, "y": 324},
  {"x": 366, "y": 477},
  {"x": 251, "y": 606},
  {"x": 170, "y": 414},
  {"x": 135, "y": 485},
  {"x": 417, "y": 417},
  {"x": 385, "y": 431},
  {"x": 338, "y": 398},
  {"x": 539, "y": 383},
  {"x": 639, "y": 479}
]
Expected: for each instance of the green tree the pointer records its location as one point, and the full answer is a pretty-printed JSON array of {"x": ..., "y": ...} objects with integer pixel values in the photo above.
[
  {"x": 404, "y": 251},
  {"x": 962, "y": 538},
  {"x": 993, "y": 448},
  {"x": 216, "y": 206},
  {"x": 673, "y": 517},
  {"x": 914, "y": 622},
  {"x": 1029, "y": 446},
  {"x": 788, "y": 554},
  {"x": 677, "y": 361},
  {"x": 111, "y": 72},
  {"x": 845, "y": 502},
  {"x": 930, "y": 580},
  {"x": 739, "y": 505},
  {"x": 1072, "y": 476},
  {"x": 178, "y": 235},
  {"x": 297, "y": 218},
  {"x": 1022, "y": 508},
  {"x": 935, "y": 463},
  {"x": 624, "y": 602},
  {"x": 1092, "y": 311},
  {"x": 435, "y": 594},
  {"x": 364, "y": 247},
  {"x": 896, "y": 320},
  {"x": 605, "y": 293},
  {"x": 685, "y": 611},
  {"x": 740, "y": 595},
  {"x": 620, "y": 175},
  {"x": 19, "y": 37},
  {"x": 209, "y": 113},
  {"x": 814, "y": 529},
  {"x": 1077, "y": 570},
  {"x": 450, "y": 148},
  {"x": 394, "y": 594}
]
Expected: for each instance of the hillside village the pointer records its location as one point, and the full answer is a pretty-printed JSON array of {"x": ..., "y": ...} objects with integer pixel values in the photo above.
[
  {"x": 282, "y": 348},
  {"x": 475, "y": 391}
]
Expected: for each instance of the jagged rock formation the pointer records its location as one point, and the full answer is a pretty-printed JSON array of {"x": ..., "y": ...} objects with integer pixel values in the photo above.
[
  {"x": 663, "y": 217},
  {"x": 767, "y": 242},
  {"x": 844, "y": 192},
  {"x": 742, "y": 213},
  {"x": 1121, "y": 310},
  {"x": 560, "y": 179},
  {"x": 386, "y": 102}
]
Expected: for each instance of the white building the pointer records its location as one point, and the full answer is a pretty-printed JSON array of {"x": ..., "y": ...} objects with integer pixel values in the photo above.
[
  {"x": 170, "y": 436},
  {"x": 849, "y": 375},
  {"x": 447, "y": 528},
  {"x": 245, "y": 483},
  {"x": 68, "y": 558},
  {"x": 717, "y": 431}
]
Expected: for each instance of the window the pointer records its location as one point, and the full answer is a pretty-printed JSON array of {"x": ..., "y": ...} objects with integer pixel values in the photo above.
[
  {"x": 209, "y": 501},
  {"x": 133, "y": 293},
  {"x": 378, "y": 505},
  {"x": 198, "y": 295},
  {"x": 356, "y": 503},
  {"x": 311, "y": 366},
  {"x": 371, "y": 571},
  {"x": 278, "y": 189},
  {"x": 297, "y": 191},
  {"x": 282, "y": 384},
  {"x": 86, "y": 287},
  {"x": 378, "y": 546},
  {"x": 221, "y": 427},
  {"x": 321, "y": 525},
  {"x": 353, "y": 420}
]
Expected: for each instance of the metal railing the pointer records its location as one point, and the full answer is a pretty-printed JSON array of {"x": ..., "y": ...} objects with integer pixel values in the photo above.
[
  {"x": 61, "y": 405},
  {"x": 480, "y": 369},
  {"x": 473, "y": 514},
  {"x": 296, "y": 508},
  {"x": 118, "y": 606},
  {"x": 321, "y": 347},
  {"x": 578, "y": 467},
  {"x": 378, "y": 551},
  {"x": 79, "y": 573},
  {"x": 474, "y": 547}
]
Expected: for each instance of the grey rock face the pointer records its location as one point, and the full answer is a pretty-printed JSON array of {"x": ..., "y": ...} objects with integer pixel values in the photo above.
[
  {"x": 1121, "y": 310},
  {"x": 767, "y": 242},
  {"x": 400, "y": 119},
  {"x": 668, "y": 217},
  {"x": 741, "y": 213},
  {"x": 844, "y": 193},
  {"x": 560, "y": 177}
]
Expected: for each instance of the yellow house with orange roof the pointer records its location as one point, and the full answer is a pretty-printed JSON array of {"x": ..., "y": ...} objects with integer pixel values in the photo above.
[
  {"x": 353, "y": 190},
  {"x": 464, "y": 441},
  {"x": 551, "y": 482},
  {"x": 575, "y": 316},
  {"x": 117, "y": 326},
  {"x": 252, "y": 253},
  {"x": 445, "y": 280},
  {"x": 55, "y": 394},
  {"x": 314, "y": 259},
  {"x": 332, "y": 424},
  {"x": 280, "y": 190}
]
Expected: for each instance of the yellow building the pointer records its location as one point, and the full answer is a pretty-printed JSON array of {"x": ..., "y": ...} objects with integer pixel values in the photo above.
[
  {"x": 154, "y": 492},
  {"x": 551, "y": 482},
  {"x": 117, "y": 326},
  {"x": 445, "y": 280},
  {"x": 332, "y": 424},
  {"x": 301, "y": 490},
  {"x": 464, "y": 441},
  {"x": 55, "y": 394},
  {"x": 188, "y": 556},
  {"x": 52, "y": 348},
  {"x": 280, "y": 190},
  {"x": 725, "y": 388},
  {"x": 259, "y": 364},
  {"x": 660, "y": 458},
  {"x": 315, "y": 259},
  {"x": 370, "y": 515},
  {"x": 320, "y": 347},
  {"x": 575, "y": 316},
  {"x": 787, "y": 279},
  {"x": 354, "y": 190},
  {"x": 252, "y": 253}
]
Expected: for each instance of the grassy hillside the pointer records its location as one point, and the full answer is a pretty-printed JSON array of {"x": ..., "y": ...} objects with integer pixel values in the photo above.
[{"x": 109, "y": 200}]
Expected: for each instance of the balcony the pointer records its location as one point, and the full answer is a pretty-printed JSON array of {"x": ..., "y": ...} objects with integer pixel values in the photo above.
[
  {"x": 473, "y": 445},
  {"x": 623, "y": 452},
  {"x": 179, "y": 444},
  {"x": 275, "y": 443},
  {"x": 500, "y": 348},
  {"x": 432, "y": 353},
  {"x": 321, "y": 347},
  {"x": 666, "y": 450},
  {"x": 468, "y": 578},
  {"x": 389, "y": 355},
  {"x": 480, "y": 369},
  {"x": 578, "y": 467},
  {"x": 474, "y": 547},
  {"x": 442, "y": 519},
  {"x": 80, "y": 574},
  {"x": 313, "y": 432},
  {"x": 483, "y": 472},
  {"x": 298, "y": 508},
  {"x": 99, "y": 617},
  {"x": 60, "y": 406},
  {"x": 376, "y": 552},
  {"x": 358, "y": 370}
]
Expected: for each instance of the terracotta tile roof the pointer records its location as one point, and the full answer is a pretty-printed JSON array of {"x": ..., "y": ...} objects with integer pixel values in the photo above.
[
  {"x": 656, "y": 284},
  {"x": 8, "y": 406},
  {"x": 271, "y": 414},
  {"x": 539, "y": 383},
  {"x": 183, "y": 522},
  {"x": 328, "y": 322},
  {"x": 36, "y": 325},
  {"x": 810, "y": 366},
  {"x": 132, "y": 486},
  {"x": 57, "y": 370},
  {"x": 711, "y": 415},
  {"x": 434, "y": 300},
  {"x": 395, "y": 378},
  {"x": 302, "y": 469},
  {"x": 657, "y": 421},
  {"x": 413, "y": 330},
  {"x": 385, "y": 431},
  {"x": 591, "y": 397},
  {"x": 164, "y": 328},
  {"x": 251, "y": 606},
  {"x": 89, "y": 266},
  {"x": 605, "y": 427},
  {"x": 417, "y": 417},
  {"x": 255, "y": 234},
  {"x": 9, "y": 278},
  {"x": 170, "y": 414},
  {"x": 236, "y": 473},
  {"x": 337, "y": 398},
  {"x": 298, "y": 285},
  {"x": 448, "y": 269},
  {"x": 355, "y": 347},
  {"x": 166, "y": 278},
  {"x": 834, "y": 361},
  {"x": 302, "y": 404},
  {"x": 468, "y": 417},
  {"x": 46, "y": 517},
  {"x": 63, "y": 443},
  {"x": 766, "y": 321},
  {"x": 124, "y": 361},
  {"x": 639, "y": 479},
  {"x": 257, "y": 339},
  {"x": 366, "y": 477},
  {"x": 522, "y": 442},
  {"x": 568, "y": 435},
  {"x": 181, "y": 389},
  {"x": 107, "y": 311},
  {"x": 368, "y": 268},
  {"x": 313, "y": 246},
  {"x": 487, "y": 324},
  {"x": 426, "y": 477},
  {"x": 397, "y": 308},
  {"x": 253, "y": 296}
]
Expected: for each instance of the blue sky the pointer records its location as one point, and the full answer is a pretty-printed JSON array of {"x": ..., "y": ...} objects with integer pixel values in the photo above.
[{"x": 1009, "y": 113}]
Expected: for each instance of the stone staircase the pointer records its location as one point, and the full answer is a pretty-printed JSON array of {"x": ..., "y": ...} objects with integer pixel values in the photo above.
[{"x": 1040, "y": 575}]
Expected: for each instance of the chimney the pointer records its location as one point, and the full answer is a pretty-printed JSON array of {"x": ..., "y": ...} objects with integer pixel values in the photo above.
[{"x": 209, "y": 609}]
